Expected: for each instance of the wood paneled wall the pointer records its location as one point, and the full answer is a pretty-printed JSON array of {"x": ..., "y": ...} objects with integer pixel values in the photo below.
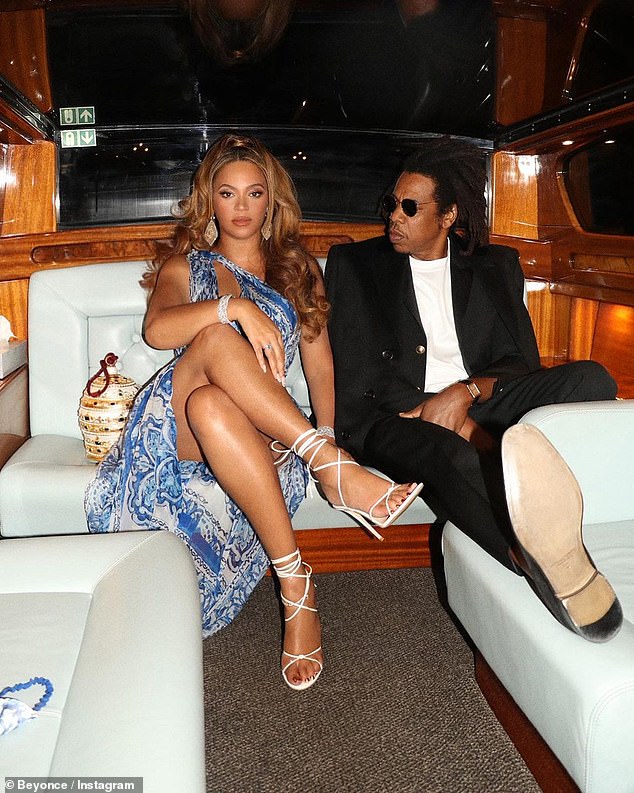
[
  {"x": 27, "y": 208},
  {"x": 582, "y": 292},
  {"x": 521, "y": 94},
  {"x": 23, "y": 58},
  {"x": 30, "y": 189},
  {"x": 537, "y": 52},
  {"x": 514, "y": 204}
]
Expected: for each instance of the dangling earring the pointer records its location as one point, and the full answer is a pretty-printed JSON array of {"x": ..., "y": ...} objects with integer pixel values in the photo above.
[
  {"x": 211, "y": 231},
  {"x": 267, "y": 227}
]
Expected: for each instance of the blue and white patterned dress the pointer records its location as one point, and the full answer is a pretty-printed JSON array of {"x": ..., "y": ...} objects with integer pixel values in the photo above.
[{"x": 141, "y": 483}]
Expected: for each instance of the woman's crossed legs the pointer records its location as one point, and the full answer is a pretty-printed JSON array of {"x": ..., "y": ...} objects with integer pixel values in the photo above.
[{"x": 227, "y": 410}]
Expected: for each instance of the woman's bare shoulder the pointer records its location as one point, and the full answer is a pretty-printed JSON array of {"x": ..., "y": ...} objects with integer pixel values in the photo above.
[
  {"x": 174, "y": 268},
  {"x": 178, "y": 261},
  {"x": 173, "y": 279}
]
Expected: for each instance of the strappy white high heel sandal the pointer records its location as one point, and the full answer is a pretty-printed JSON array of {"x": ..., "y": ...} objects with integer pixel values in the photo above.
[
  {"x": 288, "y": 567},
  {"x": 310, "y": 441}
]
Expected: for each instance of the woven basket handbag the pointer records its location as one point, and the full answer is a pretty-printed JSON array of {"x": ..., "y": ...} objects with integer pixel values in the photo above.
[{"x": 104, "y": 408}]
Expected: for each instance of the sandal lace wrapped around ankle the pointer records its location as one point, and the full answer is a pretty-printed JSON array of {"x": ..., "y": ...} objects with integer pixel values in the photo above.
[
  {"x": 309, "y": 444},
  {"x": 288, "y": 567}
]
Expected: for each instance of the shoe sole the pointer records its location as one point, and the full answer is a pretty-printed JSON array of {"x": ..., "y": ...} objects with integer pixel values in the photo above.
[{"x": 546, "y": 508}]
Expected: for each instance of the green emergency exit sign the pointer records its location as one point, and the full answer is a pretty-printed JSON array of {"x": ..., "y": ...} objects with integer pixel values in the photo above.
[
  {"x": 72, "y": 116},
  {"x": 71, "y": 138}
]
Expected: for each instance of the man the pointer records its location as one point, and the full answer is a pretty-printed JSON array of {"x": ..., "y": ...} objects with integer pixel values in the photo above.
[{"x": 435, "y": 357}]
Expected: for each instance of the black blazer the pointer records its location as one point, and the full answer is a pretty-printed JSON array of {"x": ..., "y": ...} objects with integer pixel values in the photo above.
[{"x": 378, "y": 340}]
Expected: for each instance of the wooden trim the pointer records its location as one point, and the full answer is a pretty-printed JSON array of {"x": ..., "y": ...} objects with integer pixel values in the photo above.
[
  {"x": 348, "y": 549},
  {"x": 14, "y": 305},
  {"x": 593, "y": 289},
  {"x": 23, "y": 255},
  {"x": 3, "y": 161},
  {"x": 318, "y": 236},
  {"x": 548, "y": 771},
  {"x": 581, "y": 130},
  {"x": 514, "y": 205},
  {"x": 14, "y": 129},
  {"x": 520, "y": 89}
]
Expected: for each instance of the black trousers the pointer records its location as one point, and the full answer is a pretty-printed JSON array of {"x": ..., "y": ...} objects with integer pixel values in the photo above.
[{"x": 462, "y": 485}]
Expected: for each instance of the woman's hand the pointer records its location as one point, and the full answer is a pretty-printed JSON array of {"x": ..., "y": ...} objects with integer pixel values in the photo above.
[{"x": 262, "y": 333}]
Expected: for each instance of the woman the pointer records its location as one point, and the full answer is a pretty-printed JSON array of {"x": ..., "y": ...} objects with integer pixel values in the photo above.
[{"x": 214, "y": 448}]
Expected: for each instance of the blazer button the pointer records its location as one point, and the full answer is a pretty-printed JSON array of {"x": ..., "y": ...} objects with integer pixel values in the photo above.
[
  {"x": 369, "y": 394},
  {"x": 420, "y": 349},
  {"x": 387, "y": 355}
]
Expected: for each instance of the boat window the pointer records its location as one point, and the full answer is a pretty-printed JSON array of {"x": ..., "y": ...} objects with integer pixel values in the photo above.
[
  {"x": 340, "y": 93},
  {"x": 339, "y": 175},
  {"x": 607, "y": 55},
  {"x": 349, "y": 65},
  {"x": 599, "y": 182}
]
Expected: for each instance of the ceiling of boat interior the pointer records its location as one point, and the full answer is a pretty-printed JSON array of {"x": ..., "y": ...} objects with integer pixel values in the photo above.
[
  {"x": 340, "y": 90},
  {"x": 415, "y": 65},
  {"x": 345, "y": 64}
]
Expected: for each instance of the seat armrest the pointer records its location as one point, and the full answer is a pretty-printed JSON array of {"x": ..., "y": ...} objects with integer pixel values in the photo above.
[{"x": 597, "y": 441}]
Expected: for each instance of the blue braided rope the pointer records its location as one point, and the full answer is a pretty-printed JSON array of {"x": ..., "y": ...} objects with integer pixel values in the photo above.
[{"x": 42, "y": 681}]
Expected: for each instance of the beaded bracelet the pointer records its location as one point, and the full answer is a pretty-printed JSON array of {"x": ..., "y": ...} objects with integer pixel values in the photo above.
[
  {"x": 42, "y": 681},
  {"x": 326, "y": 430},
  {"x": 222, "y": 309}
]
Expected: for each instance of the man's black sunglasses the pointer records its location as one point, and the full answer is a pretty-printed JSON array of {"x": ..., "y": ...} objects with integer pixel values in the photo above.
[{"x": 408, "y": 205}]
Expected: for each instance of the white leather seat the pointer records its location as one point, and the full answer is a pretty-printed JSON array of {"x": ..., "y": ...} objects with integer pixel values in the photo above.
[
  {"x": 113, "y": 621},
  {"x": 578, "y": 695},
  {"x": 76, "y": 316}
]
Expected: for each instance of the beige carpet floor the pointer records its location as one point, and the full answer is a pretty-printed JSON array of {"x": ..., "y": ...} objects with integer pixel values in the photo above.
[{"x": 396, "y": 708}]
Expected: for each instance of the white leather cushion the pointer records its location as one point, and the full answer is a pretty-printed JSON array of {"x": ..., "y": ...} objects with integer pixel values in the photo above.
[
  {"x": 597, "y": 441},
  {"x": 42, "y": 488},
  {"x": 76, "y": 316},
  {"x": 113, "y": 621},
  {"x": 42, "y": 492},
  {"x": 579, "y": 695}
]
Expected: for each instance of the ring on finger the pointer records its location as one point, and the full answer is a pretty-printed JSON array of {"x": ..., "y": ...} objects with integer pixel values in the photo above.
[{"x": 267, "y": 347}]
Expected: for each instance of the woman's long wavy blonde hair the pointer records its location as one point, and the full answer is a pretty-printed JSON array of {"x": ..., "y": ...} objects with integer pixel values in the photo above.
[{"x": 289, "y": 268}]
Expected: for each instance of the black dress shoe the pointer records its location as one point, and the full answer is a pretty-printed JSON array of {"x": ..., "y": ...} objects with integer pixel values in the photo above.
[{"x": 546, "y": 507}]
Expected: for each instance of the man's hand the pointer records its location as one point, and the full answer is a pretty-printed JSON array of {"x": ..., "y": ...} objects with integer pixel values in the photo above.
[
  {"x": 483, "y": 441},
  {"x": 448, "y": 408}
]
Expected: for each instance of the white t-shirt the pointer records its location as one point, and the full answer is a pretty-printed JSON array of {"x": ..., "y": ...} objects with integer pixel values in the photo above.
[{"x": 432, "y": 286}]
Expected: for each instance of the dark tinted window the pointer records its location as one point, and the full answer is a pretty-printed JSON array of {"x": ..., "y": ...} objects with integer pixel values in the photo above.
[
  {"x": 346, "y": 67},
  {"x": 607, "y": 55},
  {"x": 339, "y": 175},
  {"x": 599, "y": 181},
  {"x": 351, "y": 87}
]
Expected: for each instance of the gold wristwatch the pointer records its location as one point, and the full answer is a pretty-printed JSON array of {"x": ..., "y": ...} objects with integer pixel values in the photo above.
[{"x": 473, "y": 389}]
